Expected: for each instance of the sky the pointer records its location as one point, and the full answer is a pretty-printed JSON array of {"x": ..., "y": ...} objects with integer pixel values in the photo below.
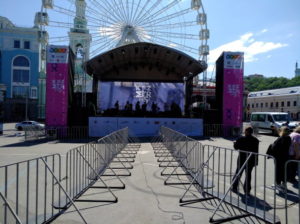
[{"x": 267, "y": 31}]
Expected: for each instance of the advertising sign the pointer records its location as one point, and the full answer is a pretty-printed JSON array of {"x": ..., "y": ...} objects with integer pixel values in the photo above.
[
  {"x": 233, "y": 88},
  {"x": 57, "y": 86}
]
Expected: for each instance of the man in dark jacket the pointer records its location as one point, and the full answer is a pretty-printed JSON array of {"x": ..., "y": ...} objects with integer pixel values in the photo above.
[{"x": 247, "y": 144}]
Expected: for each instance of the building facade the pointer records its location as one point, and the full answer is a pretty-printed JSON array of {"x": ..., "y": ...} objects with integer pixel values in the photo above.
[
  {"x": 276, "y": 100},
  {"x": 80, "y": 40},
  {"x": 19, "y": 70}
]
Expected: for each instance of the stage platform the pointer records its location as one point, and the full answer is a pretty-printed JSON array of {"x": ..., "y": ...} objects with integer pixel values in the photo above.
[{"x": 144, "y": 126}]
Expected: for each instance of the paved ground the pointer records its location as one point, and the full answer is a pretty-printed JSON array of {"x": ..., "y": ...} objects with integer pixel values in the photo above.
[
  {"x": 13, "y": 148},
  {"x": 145, "y": 200}
]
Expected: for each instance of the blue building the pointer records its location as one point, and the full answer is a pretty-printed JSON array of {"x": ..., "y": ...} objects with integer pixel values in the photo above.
[{"x": 19, "y": 69}]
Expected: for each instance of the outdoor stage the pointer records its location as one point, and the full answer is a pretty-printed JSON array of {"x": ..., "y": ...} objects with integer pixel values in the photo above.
[{"x": 144, "y": 127}]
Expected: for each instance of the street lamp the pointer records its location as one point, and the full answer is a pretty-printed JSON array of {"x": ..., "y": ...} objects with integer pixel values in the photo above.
[{"x": 26, "y": 104}]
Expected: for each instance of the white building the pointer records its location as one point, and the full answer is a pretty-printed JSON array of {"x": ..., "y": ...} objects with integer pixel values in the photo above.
[{"x": 276, "y": 100}]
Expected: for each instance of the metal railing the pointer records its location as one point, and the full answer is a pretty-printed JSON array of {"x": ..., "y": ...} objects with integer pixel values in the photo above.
[
  {"x": 7, "y": 214},
  {"x": 292, "y": 192},
  {"x": 220, "y": 130},
  {"x": 67, "y": 133},
  {"x": 30, "y": 188},
  {"x": 57, "y": 133},
  {"x": 214, "y": 170},
  {"x": 40, "y": 189}
]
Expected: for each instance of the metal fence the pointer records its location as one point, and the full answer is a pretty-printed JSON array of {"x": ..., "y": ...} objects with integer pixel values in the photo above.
[
  {"x": 217, "y": 130},
  {"x": 29, "y": 187},
  {"x": 40, "y": 189},
  {"x": 292, "y": 193},
  {"x": 57, "y": 133},
  {"x": 214, "y": 170}
]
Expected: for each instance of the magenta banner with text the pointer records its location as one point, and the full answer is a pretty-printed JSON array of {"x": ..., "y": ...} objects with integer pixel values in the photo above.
[
  {"x": 57, "y": 86},
  {"x": 233, "y": 88}
]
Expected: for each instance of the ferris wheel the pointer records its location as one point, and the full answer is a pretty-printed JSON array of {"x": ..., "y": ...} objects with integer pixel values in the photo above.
[{"x": 179, "y": 24}]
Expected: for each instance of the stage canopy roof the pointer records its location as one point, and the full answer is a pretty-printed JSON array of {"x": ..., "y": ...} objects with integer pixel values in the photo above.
[{"x": 144, "y": 62}]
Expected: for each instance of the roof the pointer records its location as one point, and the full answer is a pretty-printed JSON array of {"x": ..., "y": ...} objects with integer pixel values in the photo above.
[
  {"x": 276, "y": 92},
  {"x": 144, "y": 62}
]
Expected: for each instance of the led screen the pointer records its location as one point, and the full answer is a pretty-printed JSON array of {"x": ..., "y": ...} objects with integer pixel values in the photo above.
[{"x": 163, "y": 95}]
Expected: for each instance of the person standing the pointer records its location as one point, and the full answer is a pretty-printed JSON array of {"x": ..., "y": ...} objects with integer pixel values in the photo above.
[
  {"x": 248, "y": 144},
  {"x": 280, "y": 151},
  {"x": 294, "y": 154}
]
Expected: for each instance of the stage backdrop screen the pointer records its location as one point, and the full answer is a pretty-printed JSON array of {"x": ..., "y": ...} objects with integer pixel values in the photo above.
[{"x": 162, "y": 94}]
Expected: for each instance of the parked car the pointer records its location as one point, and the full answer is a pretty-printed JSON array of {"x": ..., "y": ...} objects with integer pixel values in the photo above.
[
  {"x": 271, "y": 121},
  {"x": 30, "y": 125}
]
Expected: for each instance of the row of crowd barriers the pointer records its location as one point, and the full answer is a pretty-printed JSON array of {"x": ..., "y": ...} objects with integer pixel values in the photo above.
[
  {"x": 211, "y": 170},
  {"x": 57, "y": 133},
  {"x": 41, "y": 189}
]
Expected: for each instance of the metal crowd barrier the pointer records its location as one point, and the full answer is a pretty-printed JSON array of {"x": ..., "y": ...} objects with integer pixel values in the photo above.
[
  {"x": 218, "y": 130},
  {"x": 33, "y": 133},
  {"x": 67, "y": 133},
  {"x": 211, "y": 171},
  {"x": 57, "y": 133},
  {"x": 30, "y": 189},
  {"x": 292, "y": 193},
  {"x": 40, "y": 189}
]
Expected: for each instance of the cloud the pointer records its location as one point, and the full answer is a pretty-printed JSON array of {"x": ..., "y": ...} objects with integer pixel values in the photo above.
[
  {"x": 264, "y": 31},
  {"x": 248, "y": 44}
]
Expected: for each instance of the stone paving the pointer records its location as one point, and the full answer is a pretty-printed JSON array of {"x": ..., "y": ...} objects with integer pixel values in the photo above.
[{"x": 144, "y": 200}]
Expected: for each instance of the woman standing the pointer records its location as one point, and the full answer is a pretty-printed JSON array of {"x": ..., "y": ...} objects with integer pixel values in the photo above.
[{"x": 280, "y": 151}]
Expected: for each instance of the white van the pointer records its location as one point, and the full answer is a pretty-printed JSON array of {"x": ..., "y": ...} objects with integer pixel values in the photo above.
[{"x": 271, "y": 121}]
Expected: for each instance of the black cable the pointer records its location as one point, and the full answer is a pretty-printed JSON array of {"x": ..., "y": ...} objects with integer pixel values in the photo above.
[{"x": 178, "y": 215}]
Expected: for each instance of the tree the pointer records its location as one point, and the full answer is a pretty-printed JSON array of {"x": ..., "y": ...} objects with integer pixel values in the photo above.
[{"x": 263, "y": 83}]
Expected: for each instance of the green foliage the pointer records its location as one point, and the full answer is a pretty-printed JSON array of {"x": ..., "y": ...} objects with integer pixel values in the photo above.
[{"x": 263, "y": 83}]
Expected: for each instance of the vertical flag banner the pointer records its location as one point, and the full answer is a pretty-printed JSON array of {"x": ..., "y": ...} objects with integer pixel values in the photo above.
[
  {"x": 57, "y": 86},
  {"x": 230, "y": 72},
  {"x": 233, "y": 88}
]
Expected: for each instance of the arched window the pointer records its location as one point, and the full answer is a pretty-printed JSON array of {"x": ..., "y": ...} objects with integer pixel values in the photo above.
[
  {"x": 21, "y": 70},
  {"x": 20, "y": 76},
  {"x": 21, "y": 61}
]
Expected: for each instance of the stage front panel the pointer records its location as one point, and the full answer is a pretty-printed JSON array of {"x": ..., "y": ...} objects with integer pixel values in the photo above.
[{"x": 144, "y": 127}]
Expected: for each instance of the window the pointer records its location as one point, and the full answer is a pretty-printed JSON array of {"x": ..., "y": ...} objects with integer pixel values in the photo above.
[
  {"x": 261, "y": 105},
  {"x": 21, "y": 69},
  {"x": 276, "y": 104},
  {"x": 17, "y": 44},
  {"x": 20, "y": 91},
  {"x": 21, "y": 61},
  {"x": 261, "y": 117},
  {"x": 254, "y": 117},
  {"x": 26, "y": 44},
  {"x": 21, "y": 75},
  {"x": 266, "y": 105},
  {"x": 288, "y": 103},
  {"x": 252, "y": 105},
  {"x": 256, "y": 105},
  {"x": 295, "y": 103},
  {"x": 33, "y": 93},
  {"x": 282, "y": 104},
  {"x": 270, "y": 119},
  {"x": 271, "y": 104}
]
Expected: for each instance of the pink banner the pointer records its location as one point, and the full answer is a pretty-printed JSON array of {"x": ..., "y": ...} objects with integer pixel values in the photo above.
[
  {"x": 57, "y": 86},
  {"x": 233, "y": 88}
]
